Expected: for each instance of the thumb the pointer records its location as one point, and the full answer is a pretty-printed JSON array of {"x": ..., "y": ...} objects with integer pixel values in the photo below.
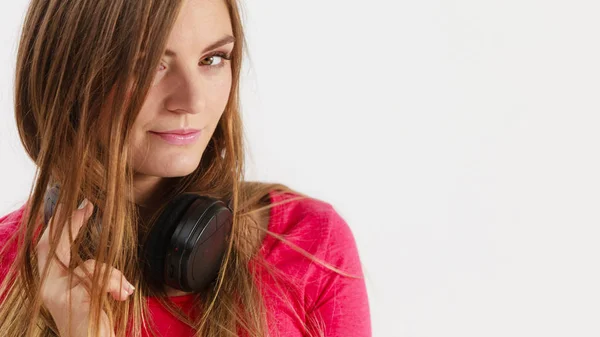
[
  {"x": 87, "y": 208},
  {"x": 76, "y": 221},
  {"x": 79, "y": 218}
]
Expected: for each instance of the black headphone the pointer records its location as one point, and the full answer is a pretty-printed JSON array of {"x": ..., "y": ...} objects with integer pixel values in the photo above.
[{"x": 186, "y": 244}]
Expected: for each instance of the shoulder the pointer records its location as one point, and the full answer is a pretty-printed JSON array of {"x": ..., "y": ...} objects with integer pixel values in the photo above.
[
  {"x": 313, "y": 225},
  {"x": 8, "y": 248},
  {"x": 9, "y": 223},
  {"x": 328, "y": 273},
  {"x": 293, "y": 212}
]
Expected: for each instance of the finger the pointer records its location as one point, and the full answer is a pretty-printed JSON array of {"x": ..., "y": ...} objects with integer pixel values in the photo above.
[
  {"x": 43, "y": 246},
  {"x": 117, "y": 286},
  {"x": 74, "y": 224},
  {"x": 83, "y": 274},
  {"x": 63, "y": 249}
]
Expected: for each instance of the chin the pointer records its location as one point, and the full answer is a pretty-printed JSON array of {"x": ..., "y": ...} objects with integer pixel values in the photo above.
[
  {"x": 177, "y": 173},
  {"x": 170, "y": 168},
  {"x": 171, "y": 173}
]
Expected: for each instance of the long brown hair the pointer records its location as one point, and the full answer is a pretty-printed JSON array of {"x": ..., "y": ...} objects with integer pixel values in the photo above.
[{"x": 73, "y": 57}]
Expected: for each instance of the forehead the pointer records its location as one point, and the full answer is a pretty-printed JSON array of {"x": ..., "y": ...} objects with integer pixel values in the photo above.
[{"x": 200, "y": 23}]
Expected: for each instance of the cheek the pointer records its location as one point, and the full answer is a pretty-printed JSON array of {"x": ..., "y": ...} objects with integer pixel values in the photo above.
[
  {"x": 220, "y": 94},
  {"x": 148, "y": 112},
  {"x": 105, "y": 115},
  {"x": 140, "y": 141}
]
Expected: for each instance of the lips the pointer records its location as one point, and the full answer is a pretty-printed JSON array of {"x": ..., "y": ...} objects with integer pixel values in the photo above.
[
  {"x": 179, "y": 137},
  {"x": 178, "y": 131}
]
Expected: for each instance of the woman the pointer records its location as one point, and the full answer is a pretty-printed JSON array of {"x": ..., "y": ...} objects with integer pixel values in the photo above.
[{"x": 130, "y": 103}]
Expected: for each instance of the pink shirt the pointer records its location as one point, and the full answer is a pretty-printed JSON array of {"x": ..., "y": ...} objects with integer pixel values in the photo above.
[{"x": 313, "y": 225}]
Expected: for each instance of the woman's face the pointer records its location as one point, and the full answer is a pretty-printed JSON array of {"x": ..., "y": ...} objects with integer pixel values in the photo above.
[{"x": 189, "y": 92}]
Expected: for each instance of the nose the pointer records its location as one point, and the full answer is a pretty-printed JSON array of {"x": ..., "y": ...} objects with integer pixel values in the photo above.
[{"x": 186, "y": 92}]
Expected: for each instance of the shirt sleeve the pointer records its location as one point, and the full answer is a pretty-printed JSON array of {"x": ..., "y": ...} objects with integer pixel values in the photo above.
[
  {"x": 341, "y": 301},
  {"x": 8, "y": 226}
]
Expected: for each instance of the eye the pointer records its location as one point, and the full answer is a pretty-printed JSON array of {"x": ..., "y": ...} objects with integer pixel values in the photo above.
[{"x": 216, "y": 60}]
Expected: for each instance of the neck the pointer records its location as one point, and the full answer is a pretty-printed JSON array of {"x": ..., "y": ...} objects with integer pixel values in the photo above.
[
  {"x": 149, "y": 193},
  {"x": 147, "y": 189}
]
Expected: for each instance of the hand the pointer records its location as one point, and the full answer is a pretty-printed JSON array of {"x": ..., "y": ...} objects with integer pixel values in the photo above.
[{"x": 57, "y": 290}]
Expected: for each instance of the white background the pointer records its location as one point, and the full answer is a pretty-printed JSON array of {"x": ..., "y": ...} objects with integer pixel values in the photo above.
[{"x": 457, "y": 138}]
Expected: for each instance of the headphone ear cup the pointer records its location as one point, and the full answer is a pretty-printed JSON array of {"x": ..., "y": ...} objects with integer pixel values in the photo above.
[
  {"x": 198, "y": 245},
  {"x": 157, "y": 242}
]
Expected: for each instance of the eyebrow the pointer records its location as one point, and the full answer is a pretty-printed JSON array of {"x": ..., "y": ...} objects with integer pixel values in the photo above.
[{"x": 221, "y": 42}]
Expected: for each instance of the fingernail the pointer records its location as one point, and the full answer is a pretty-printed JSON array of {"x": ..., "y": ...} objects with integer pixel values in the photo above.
[
  {"x": 130, "y": 288},
  {"x": 83, "y": 203}
]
